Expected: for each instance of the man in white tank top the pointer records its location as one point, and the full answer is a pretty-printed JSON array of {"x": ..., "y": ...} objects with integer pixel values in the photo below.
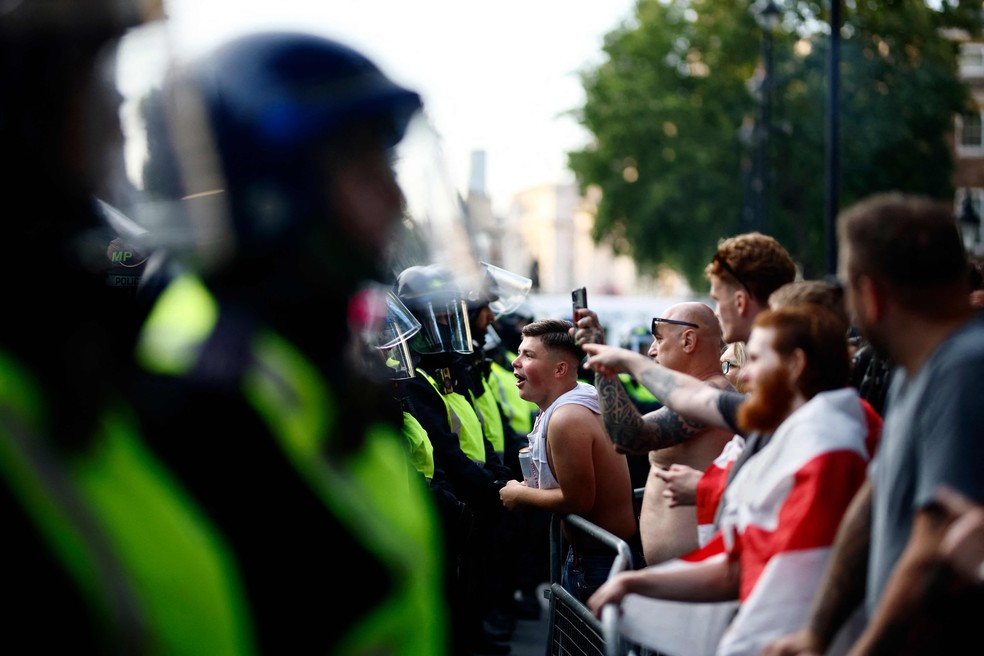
[{"x": 577, "y": 470}]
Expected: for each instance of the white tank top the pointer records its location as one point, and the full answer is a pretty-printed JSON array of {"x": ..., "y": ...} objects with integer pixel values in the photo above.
[{"x": 584, "y": 394}]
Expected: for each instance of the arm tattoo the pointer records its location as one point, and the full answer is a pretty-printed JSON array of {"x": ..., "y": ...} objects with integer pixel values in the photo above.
[
  {"x": 633, "y": 432},
  {"x": 660, "y": 381}
]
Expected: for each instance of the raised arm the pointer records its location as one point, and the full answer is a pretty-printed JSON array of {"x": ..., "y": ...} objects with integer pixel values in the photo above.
[
  {"x": 685, "y": 395},
  {"x": 633, "y": 432}
]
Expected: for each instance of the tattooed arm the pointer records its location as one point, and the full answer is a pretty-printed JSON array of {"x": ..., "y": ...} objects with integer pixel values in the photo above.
[
  {"x": 632, "y": 432},
  {"x": 685, "y": 395}
]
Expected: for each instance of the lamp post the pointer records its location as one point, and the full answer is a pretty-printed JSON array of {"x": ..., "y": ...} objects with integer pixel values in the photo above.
[
  {"x": 767, "y": 15},
  {"x": 833, "y": 137},
  {"x": 969, "y": 222}
]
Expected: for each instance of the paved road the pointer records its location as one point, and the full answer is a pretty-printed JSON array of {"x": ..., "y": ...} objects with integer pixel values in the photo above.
[{"x": 530, "y": 637}]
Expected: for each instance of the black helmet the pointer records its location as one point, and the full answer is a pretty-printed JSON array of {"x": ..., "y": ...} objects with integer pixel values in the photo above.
[
  {"x": 269, "y": 108},
  {"x": 434, "y": 297}
]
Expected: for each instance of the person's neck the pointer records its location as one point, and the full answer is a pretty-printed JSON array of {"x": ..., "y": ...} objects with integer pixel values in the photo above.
[
  {"x": 797, "y": 402},
  {"x": 558, "y": 392},
  {"x": 914, "y": 338},
  {"x": 706, "y": 371}
]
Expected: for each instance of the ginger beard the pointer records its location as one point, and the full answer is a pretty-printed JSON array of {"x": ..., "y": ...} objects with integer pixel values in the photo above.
[{"x": 769, "y": 404}]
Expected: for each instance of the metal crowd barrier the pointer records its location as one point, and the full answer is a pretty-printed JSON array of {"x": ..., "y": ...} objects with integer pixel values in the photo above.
[{"x": 573, "y": 629}]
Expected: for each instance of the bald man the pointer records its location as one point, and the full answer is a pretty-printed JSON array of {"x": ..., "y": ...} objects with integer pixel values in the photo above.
[{"x": 687, "y": 338}]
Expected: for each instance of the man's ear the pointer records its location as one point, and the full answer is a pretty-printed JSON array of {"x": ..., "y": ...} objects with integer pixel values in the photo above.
[
  {"x": 561, "y": 368},
  {"x": 797, "y": 364},
  {"x": 742, "y": 302},
  {"x": 689, "y": 340},
  {"x": 872, "y": 297}
]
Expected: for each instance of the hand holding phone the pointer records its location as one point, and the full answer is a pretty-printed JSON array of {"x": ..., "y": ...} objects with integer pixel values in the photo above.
[{"x": 579, "y": 300}]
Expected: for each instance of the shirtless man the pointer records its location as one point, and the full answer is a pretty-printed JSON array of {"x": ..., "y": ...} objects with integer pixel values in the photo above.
[
  {"x": 687, "y": 339},
  {"x": 575, "y": 468}
]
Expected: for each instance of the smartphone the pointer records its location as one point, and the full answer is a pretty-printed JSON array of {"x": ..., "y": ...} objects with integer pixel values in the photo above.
[{"x": 579, "y": 299}]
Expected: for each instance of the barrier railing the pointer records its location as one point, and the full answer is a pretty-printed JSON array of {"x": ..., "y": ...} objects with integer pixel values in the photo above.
[{"x": 573, "y": 629}]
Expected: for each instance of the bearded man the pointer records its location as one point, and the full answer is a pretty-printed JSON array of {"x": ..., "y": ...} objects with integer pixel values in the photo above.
[{"x": 805, "y": 458}]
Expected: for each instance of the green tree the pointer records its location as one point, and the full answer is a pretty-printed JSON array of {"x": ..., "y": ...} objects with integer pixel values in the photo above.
[{"x": 671, "y": 110}]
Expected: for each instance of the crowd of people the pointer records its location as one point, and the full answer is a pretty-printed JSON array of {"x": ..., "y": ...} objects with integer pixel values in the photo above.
[{"x": 199, "y": 450}]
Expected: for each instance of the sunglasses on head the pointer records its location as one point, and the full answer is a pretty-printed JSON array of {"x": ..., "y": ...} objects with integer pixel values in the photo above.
[
  {"x": 658, "y": 320},
  {"x": 727, "y": 267}
]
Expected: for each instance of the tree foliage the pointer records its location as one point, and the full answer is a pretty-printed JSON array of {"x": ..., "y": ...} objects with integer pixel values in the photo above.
[{"x": 672, "y": 105}]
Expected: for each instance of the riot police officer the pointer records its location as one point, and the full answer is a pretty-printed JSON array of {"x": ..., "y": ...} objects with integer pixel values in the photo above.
[{"x": 283, "y": 145}]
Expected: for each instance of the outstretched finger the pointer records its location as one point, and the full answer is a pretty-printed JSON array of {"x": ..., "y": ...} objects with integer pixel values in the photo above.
[{"x": 954, "y": 502}]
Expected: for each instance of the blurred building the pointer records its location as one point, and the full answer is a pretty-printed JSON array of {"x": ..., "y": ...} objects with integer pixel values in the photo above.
[
  {"x": 546, "y": 236},
  {"x": 968, "y": 146}
]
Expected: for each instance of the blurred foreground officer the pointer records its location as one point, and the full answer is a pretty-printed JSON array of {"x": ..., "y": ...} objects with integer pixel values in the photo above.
[
  {"x": 105, "y": 551},
  {"x": 256, "y": 394}
]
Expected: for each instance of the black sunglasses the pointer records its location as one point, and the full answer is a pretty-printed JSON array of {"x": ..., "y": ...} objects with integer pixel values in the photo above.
[
  {"x": 734, "y": 274},
  {"x": 657, "y": 320},
  {"x": 728, "y": 365}
]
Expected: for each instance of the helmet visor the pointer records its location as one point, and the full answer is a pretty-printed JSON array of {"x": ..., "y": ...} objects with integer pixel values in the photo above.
[
  {"x": 398, "y": 360},
  {"x": 507, "y": 289},
  {"x": 444, "y": 328},
  {"x": 398, "y": 326}
]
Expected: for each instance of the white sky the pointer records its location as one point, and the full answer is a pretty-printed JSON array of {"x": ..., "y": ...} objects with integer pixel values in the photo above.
[{"x": 494, "y": 75}]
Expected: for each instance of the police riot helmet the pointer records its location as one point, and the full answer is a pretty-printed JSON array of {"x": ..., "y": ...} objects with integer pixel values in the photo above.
[
  {"x": 509, "y": 289},
  {"x": 433, "y": 295},
  {"x": 384, "y": 327},
  {"x": 274, "y": 112},
  {"x": 638, "y": 339}
]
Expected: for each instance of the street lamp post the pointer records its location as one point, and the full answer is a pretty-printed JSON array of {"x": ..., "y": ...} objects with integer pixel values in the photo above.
[
  {"x": 767, "y": 15},
  {"x": 833, "y": 137}
]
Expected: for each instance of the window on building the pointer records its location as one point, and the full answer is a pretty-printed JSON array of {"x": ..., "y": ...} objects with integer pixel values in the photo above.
[
  {"x": 970, "y": 131},
  {"x": 971, "y": 59}
]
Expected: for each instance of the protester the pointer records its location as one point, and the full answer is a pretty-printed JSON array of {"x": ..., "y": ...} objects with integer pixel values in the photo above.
[
  {"x": 687, "y": 338},
  {"x": 904, "y": 270},
  {"x": 575, "y": 468},
  {"x": 732, "y": 360},
  {"x": 805, "y": 433},
  {"x": 744, "y": 271},
  {"x": 251, "y": 389},
  {"x": 686, "y": 486}
]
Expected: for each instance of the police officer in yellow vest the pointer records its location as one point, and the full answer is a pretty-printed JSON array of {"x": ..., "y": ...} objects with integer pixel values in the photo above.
[
  {"x": 639, "y": 339},
  {"x": 533, "y": 567},
  {"x": 251, "y": 392},
  {"x": 494, "y": 292},
  {"x": 501, "y": 351},
  {"x": 441, "y": 397},
  {"x": 106, "y": 550},
  {"x": 391, "y": 347}
]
